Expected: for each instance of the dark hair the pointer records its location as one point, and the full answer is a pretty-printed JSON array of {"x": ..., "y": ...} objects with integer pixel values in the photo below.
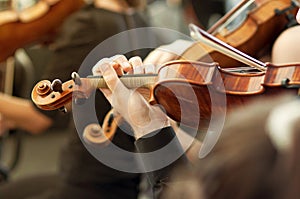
[{"x": 245, "y": 163}]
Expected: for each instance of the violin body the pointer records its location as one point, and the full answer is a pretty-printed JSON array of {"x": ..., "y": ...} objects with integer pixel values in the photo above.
[
  {"x": 259, "y": 30},
  {"x": 183, "y": 90},
  {"x": 186, "y": 90},
  {"x": 18, "y": 34}
]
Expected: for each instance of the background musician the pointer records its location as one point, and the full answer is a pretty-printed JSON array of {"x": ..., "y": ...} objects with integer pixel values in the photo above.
[{"x": 80, "y": 174}]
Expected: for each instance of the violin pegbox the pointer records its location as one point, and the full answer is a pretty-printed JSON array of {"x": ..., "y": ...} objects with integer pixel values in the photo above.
[
  {"x": 52, "y": 95},
  {"x": 55, "y": 95}
]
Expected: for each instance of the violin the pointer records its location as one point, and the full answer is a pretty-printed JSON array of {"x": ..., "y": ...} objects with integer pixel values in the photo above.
[
  {"x": 259, "y": 29},
  {"x": 190, "y": 92},
  {"x": 22, "y": 32},
  {"x": 183, "y": 88}
]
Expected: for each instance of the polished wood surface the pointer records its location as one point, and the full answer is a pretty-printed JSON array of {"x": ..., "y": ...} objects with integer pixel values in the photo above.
[
  {"x": 277, "y": 73},
  {"x": 260, "y": 28},
  {"x": 186, "y": 90},
  {"x": 19, "y": 34}
]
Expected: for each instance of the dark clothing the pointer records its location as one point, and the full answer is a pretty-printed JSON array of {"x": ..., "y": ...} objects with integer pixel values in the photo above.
[
  {"x": 160, "y": 179},
  {"x": 81, "y": 175}
]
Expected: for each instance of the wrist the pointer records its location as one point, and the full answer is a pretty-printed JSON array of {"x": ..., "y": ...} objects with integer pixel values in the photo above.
[{"x": 143, "y": 131}]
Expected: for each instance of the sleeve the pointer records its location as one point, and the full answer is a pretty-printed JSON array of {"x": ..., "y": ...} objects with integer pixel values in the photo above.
[{"x": 160, "y": 179}]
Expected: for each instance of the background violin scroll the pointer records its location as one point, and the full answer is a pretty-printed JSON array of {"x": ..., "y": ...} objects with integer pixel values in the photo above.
[{"x": 96, "y": 135}]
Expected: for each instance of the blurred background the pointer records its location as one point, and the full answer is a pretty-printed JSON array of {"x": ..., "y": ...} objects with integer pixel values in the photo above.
[{"x": 23, "y": 154}]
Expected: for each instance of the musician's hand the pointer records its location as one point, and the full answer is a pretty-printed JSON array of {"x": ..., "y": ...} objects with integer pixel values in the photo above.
[
  {"x": 168, "y": 52},
  {"x": 143, "y": 117}
]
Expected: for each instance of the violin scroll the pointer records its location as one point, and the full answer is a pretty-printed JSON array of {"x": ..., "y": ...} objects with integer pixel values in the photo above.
[
  {"x": 96, "y": 135},
  {"x": 46, "y": 96},
  {"x": 55, "y": 95}
]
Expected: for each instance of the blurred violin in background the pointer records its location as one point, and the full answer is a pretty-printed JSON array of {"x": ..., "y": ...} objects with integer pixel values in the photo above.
[
  {"x": 249, "y": 27},
  {"x": 33, "y": 23},
  {"x": 25, "y": 23}
]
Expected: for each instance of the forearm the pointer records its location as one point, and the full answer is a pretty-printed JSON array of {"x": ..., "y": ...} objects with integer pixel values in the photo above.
[{"x": 23, "y": 114}]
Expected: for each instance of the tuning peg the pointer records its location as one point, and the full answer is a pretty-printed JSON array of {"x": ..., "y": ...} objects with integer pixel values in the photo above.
[
  {"x": 76, "y": 78},
  {"x": 63, "y": 109},
  {"x": 56, "y": 86}
]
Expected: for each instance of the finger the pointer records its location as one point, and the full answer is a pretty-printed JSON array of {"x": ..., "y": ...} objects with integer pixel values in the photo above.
[
  {"x": 110, "y": 77},
  {"x": 98, "y": 72},
  {"x": 137, "y": 65},
  {"x": 122, "y": 64},
  {"x": 116, "y": 92},
  {"x": 96, "y": 69},
  {"x": 117, "y": 68}
]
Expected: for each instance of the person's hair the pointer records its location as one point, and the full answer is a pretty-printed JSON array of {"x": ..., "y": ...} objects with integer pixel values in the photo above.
[{"x": 245, "y": 163}]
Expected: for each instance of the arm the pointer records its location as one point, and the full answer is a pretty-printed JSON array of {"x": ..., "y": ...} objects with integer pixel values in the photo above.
[
  {"x": 168, "y": 52},
  {"x": 20, "y": 113},
  {"x": 151, "y": 126}
]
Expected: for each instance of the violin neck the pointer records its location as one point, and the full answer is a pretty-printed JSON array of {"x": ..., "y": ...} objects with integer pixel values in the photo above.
[{"x": 130, "y": 81}]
